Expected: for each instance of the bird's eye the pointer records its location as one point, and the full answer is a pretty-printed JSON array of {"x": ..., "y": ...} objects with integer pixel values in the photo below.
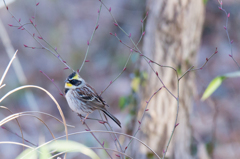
[{"x": 75, "y": 82}]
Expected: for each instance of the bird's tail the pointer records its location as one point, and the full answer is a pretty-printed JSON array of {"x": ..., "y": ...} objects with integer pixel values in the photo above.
[{"x": 112, "y": 117}]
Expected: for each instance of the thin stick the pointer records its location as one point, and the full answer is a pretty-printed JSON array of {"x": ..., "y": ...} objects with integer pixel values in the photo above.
[
  {"x": 175, "y": 123},
  {"x": 140, "y": 122},
  {"x": 97, "y": 131},
  {"x": 3, "y": 107},
  {"x": 97, "y": 148},
  {"x": 96, "y": 138},
  {"x": 90, "y": 41},
  {"x": 6, "y": 70}
]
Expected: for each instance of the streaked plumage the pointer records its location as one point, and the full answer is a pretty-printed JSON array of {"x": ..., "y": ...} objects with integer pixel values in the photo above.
[{"x": 83, "y": 99}]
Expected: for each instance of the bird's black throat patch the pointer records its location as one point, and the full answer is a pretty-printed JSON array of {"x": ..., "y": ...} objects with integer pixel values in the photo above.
[{"x": 66, "y": 90}]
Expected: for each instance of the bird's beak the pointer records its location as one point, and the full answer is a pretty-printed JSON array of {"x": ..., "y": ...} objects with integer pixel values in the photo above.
[{"x": 66, "y": 81}]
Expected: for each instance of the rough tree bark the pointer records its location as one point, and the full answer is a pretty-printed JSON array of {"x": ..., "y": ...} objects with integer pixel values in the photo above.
[{"x": 173, "y": 33}]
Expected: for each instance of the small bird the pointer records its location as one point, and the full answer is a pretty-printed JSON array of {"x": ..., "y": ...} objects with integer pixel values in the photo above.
[{"x": 83, "y": 99}]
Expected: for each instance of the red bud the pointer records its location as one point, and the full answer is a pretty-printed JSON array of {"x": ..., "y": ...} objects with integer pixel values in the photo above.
[
  {"x": 115, "y": 24},
  {"x": 31, "y": 21},
  {"x": 110, "y": 9},
  {"x": 37, "y": 4},
  {"x": 96, "y": 27},
  {"x": 25, "y": 45},
  {"x": 10, "y": 25},
  {"x": 176, "y": 125},
  {"x": 228, "y": 15},
  {"x": 102, "y": 122},
  {"x": 39, "y": 37},
  {"x": 87, "y": 61},
  {"x": 206, "y": 59}
]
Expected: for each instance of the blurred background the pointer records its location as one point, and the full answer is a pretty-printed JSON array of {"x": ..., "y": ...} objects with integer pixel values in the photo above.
[{"x": 68, "y": 25}]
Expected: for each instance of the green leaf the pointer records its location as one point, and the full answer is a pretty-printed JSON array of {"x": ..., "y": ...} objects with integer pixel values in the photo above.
[
  {"x": 72, "y": 146},
  {"x": 216, "y": 82},
  {"x": 44, "y": 152},
  {"x": 135, "y": 84},
  {"x": 32, "y": 155},
  {"x": 205, "y": 1},
  {"x": 122, "y": 102},
  {"x": 59, "y": 146}
]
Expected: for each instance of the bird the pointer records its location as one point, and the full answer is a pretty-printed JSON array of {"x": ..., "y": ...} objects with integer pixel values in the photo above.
[{"x": 83, "y": 99}]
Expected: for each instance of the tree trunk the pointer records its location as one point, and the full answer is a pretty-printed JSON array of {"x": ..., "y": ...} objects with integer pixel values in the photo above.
[{"x": 172, "y": 38}]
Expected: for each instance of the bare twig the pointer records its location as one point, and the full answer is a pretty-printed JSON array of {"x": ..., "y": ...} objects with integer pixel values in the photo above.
[
  {"x": 3, "y": 107},
  {"x": 89, "y": 42},
  {"x": 95, "y": 137},
  {"x": 143, "y": 115},
  {"x": 6, "y": 70},
  {"x": 98, "y": 131},
  {"x": 229, "y": 40}
]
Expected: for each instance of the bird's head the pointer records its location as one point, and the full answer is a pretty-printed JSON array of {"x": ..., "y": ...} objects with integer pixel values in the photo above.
[{"x": 74, "y": 81}]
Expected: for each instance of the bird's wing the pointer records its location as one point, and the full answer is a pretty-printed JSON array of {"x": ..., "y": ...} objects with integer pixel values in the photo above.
[{"x": 88, "y": 95}]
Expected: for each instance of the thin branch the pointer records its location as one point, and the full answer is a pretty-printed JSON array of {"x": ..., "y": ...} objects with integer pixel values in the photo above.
[
  {"x": 16, "y": 115},
  {"x": 175, "y": 123},
  {"x": 6, "y": 70},
  {"x": 3, "y": 107},
  {"x": 125, "y": 66},
  {"x": 96, "y": 138},
  {"x": 98, "y": 131},
  {"x": 140, "y": 122},
  {"x": 95, "y": 148},
  {"x": 90, "y": 41},
  {"x": 229, "y": 40},
  {"x": 39, "y": 38},
  {"x": 19, "y": 136},
  {"x": 49, "y": 94},
  {"x": 52, "y": 80}
]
